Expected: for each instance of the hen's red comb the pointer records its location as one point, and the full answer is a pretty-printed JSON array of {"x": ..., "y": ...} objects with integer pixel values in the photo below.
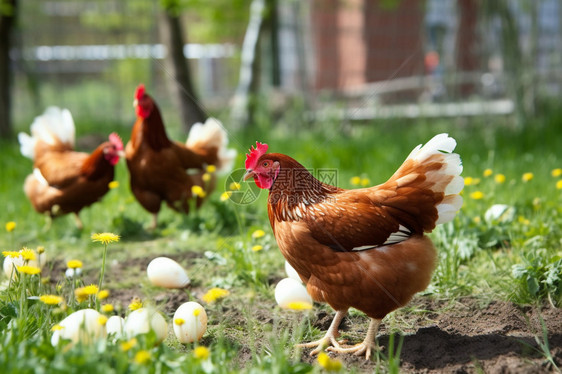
[
  {"x": 139, "y": 93},
  {"x": 254, "y": 155},
  {"x": 116, "y": 141}
]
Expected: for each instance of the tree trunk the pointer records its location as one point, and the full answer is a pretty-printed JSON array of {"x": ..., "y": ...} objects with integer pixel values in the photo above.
[
  {"x": 7, "y": 20},
  {"x": 242, "y": 110},
  {"x": 172, "y": 37}
]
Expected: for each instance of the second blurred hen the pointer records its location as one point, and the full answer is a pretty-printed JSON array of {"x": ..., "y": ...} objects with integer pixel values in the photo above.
[{"x": 163, "y": 170}]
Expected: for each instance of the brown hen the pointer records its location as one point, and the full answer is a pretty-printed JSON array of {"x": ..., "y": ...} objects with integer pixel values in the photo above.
[
  {"x": 163, "y": 170},
  {"x": 364, "y": 248},
  {"x": 63, "y": 180}
]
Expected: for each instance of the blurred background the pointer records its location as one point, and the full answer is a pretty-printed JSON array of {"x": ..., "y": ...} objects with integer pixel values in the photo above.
[{"x": 241, "y": 60}]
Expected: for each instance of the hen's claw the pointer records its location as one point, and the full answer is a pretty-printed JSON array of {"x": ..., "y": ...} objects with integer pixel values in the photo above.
[
  {"x": 326, "y": 341},
  {"x": 329, "y": 338},
  {"x": 357, "y": 350}
]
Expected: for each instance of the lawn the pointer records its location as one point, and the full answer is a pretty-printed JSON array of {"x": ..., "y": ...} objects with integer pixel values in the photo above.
[{"x": 492, "y": 304}]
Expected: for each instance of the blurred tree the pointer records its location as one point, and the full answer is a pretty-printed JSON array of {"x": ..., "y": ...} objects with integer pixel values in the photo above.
[
  {"x": 172, "y": 35},
  {"x": 519, "y": 64},
  {"x": 8, "y": 13},
  {"x": 262, "y": 18}
]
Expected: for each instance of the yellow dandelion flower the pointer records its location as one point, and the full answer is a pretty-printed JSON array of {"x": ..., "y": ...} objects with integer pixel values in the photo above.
[
  {"x": 355, "y": 181},
  {"x": 107, "y": 308},
  {"x": 10, "y": 226},
  {"x": 12, "y": 254},
  {"x": 299, "y": 305},
  {"x": 234, "y": 186},
  {"x": 83, "y": 293},
  {"x": 527, "y": 177},
  {"x": 50, "y": 299},
  {"x": 365, "y": 182},
  {"x": 196, "y": 312},
  {"x": 198, "y": 191},
  {"x": 477, "y": 219},
  {"x": 328, "y": 363},
  {"x": 559, "y": 185},
  {"x": 487, "y": 172},
  {"x": 214, "y": 294},
  {"x": 499, "y": 178},
  {"x": 40, "y": 249},
  {"x": 74, "y": 264},
  {"x": 206, "y": 177},
  {"x": 477, "y": 195},
  {"x": 135, "y": 304},
  {"x": 102, "y": 320},
  {"x": 103, "y": 294},
  {"x": 468, "y": 181},
  {"x": 27, "y": 254},
  {"x": 142, "y": 357},
  {"x": 211, "y": 169},
  {"x": 105, "y": 237},
  {"x": 113, "y": 185},
  {"x": 125, "y": 346},
  {"x": 201, "y": 353},
  {"x": 91, "y": 289},
  {"x": 556, "y": 172},
  {"x": 257, "y": 248},
  {"x": 258, "y": 234},
  {"x": 179, "y": 321},
  {"x": 524, "y": 221},
  {"x": 226, "y": 195},
  {"x": 27, "y": 269},
  {"x": 56, "y": 328}
]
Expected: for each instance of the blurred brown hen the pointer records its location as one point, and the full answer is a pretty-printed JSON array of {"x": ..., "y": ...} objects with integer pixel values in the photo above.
[
  {"x": 162, "y": 170},
  {"x": 63, "y": 180},
  {"x": 362, "y": 248}
]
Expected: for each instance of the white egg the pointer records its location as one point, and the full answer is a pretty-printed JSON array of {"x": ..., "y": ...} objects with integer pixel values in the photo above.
[
  {"x": 165, "y": 272},
  {"x": 81, "y": 326},
  {"x": 190, "y": 322},
  {"x": 9, "y": 263},
  {"x": 500, "y": 213},
  {"x": 290, "y": 291},
  {"x": 291, "y": 272},
  {"x": 142, "y": 320},
  {"x": 114, "y": 325}
]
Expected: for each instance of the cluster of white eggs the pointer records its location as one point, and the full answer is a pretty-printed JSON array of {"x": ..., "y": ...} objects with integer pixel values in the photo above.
[{"x": 190, "y": 319}]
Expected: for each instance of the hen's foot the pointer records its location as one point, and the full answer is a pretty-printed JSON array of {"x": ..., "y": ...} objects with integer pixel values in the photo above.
[
  {"x": 367, "y": 346},
  {"x": 319, "y": 345},
  {"x": 358, "y": 349},
  {"x": 329, "y": 338}
]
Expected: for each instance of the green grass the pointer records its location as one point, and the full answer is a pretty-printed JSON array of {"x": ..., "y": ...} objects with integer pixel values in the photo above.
[{"x": 515, "y": 259}]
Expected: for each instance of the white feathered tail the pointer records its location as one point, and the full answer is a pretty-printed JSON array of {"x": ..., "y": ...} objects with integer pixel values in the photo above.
[
  {"x": 447, "y": 179},
  {"x": 54, "y": 126},
  {"x": 212, "y": 134}
]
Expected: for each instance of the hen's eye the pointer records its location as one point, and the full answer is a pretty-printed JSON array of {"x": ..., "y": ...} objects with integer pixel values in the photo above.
[{"x": 265, "y": 164}]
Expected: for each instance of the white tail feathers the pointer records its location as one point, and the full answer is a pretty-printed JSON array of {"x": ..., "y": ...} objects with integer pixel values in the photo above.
[
  {"x": 54, "y": 126},
  {"x": 447, "y": 179},
  {"x": 212, "y": 134}
]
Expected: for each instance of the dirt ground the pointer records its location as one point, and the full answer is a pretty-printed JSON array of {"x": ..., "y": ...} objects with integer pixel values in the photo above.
[
  {"x": 470, "y": 338},
  {"x": 464, "y": 336}
]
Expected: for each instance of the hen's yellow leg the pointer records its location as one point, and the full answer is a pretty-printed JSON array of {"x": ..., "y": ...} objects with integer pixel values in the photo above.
[
  {"x": 329, "y": 338},
  {"x": 366, "y": 346}
]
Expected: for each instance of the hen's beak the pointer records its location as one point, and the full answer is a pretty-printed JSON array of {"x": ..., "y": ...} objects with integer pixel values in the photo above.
[
  {"x": 135, "y": 103},
  {"x": 121, "y": 153},
  {"x": 249, "y": 174}
]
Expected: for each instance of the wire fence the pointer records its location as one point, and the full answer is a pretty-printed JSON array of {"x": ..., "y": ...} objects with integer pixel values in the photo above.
[{"x": 377, "y": 58}]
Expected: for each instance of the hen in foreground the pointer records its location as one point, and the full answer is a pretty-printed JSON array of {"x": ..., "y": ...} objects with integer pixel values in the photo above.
[
  {"x": 63, "y": 180},
  {"x": 164, "y": 170},
  {"x": 362, "y": 248}
]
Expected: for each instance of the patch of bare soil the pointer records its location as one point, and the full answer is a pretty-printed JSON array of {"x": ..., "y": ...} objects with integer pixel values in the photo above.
[
  {"x": 497, "y": 338},
  {"x": 464, "y": 336}
]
